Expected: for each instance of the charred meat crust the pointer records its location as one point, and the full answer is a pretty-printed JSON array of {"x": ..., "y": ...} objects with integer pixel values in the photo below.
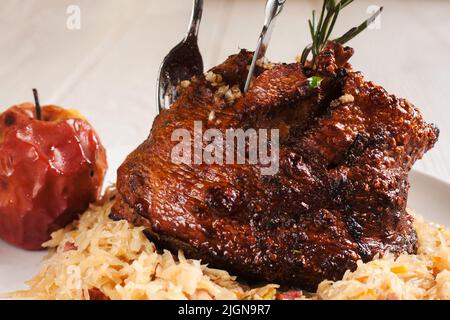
[{"x": 340, "y": 195}]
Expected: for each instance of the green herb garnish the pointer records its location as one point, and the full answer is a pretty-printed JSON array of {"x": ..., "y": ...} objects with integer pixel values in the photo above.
[
  {"x": 314, "y": 82},
  {"x": 321, "y": 30}
]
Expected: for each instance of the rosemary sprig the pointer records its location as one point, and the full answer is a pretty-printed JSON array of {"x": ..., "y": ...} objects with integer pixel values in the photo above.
[{"x": 321, "y": 30}]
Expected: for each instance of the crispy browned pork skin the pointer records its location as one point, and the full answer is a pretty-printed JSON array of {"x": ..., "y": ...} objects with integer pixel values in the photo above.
[{"x": 340, "y": 195}]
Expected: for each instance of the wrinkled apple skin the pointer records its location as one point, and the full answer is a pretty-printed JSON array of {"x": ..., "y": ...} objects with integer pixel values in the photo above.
[{"x": 50, "y": 171}]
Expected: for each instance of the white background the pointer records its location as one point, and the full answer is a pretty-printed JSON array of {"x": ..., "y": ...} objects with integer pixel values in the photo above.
[{"x": 108, "y": 68}]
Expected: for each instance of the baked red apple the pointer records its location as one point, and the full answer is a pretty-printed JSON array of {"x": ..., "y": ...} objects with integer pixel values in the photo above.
[{"x": 52, "y": 166}]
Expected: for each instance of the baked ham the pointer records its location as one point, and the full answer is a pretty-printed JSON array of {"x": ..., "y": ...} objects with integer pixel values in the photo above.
[{"x": 346, "y": 148}]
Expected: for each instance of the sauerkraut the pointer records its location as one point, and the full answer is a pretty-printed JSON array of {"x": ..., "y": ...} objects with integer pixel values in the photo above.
[{"x": 97, "y": 258}]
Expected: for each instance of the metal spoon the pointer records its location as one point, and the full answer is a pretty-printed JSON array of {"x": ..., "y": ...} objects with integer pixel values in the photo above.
[
  {"x": 182, "y": 63},
  {"x": 273, "y": 9}
]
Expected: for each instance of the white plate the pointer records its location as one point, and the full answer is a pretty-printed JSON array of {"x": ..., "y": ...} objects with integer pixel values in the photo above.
[{"x": 429, "y": 197}]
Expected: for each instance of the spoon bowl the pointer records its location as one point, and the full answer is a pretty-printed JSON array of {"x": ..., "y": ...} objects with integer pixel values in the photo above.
[{"x": 182, "y": 63}]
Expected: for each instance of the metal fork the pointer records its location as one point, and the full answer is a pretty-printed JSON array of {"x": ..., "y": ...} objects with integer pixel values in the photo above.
[
  {"x": 182, "y": 63},
  {"x": 273, "y": 9}
]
